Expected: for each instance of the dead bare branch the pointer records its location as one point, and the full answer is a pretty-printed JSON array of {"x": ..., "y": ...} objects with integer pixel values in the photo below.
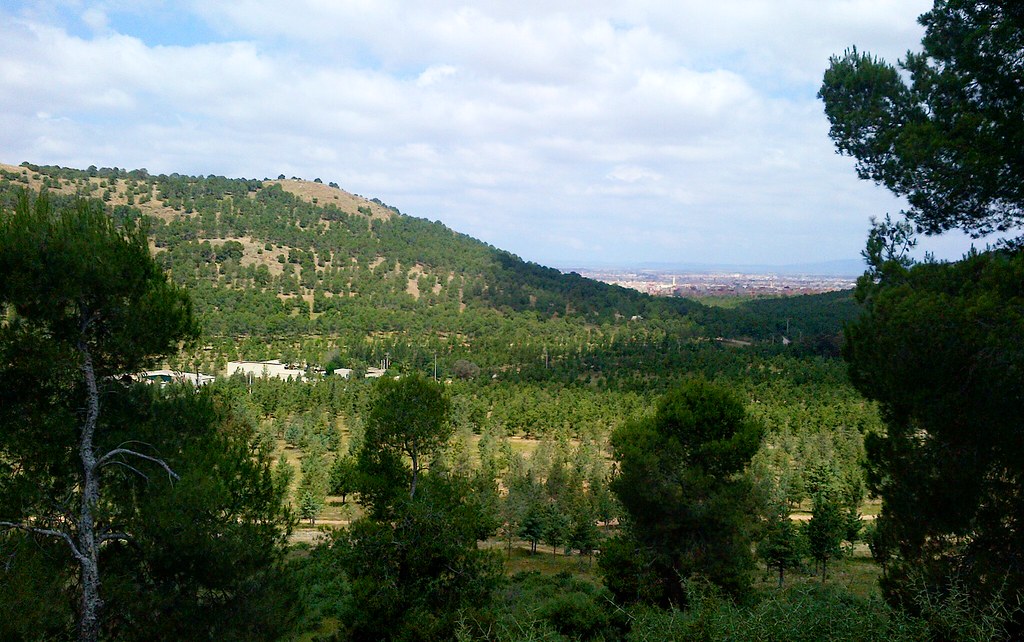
[
  {"x": 48, "y": 532},
  {"x": 109, "y": 459}
]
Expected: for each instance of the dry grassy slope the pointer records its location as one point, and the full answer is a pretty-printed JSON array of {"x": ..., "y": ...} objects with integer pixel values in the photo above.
[{"x": 325, "y": 195}]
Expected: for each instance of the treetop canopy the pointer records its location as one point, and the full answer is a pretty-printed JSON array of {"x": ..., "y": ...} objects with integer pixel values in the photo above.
[{"x": 945, "y": 128}]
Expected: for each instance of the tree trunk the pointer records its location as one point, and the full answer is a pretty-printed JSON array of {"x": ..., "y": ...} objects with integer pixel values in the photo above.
[
  {"x": 781, "y": 571},
  {"x": 92, "y": 603},
  {"x": 415, "y": 472}
]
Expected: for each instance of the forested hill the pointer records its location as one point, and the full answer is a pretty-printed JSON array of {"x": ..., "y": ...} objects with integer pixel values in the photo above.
[
  {"x": 315, "y": 245},
  {"x": 285, "y": 260}
]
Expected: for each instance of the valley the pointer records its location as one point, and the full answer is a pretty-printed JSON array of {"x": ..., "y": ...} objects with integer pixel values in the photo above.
[{"x": 538, "y": 374}]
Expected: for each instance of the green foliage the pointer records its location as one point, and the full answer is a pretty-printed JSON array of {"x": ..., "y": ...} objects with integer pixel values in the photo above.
[
  {"x": 311, "y": 494},
  {"x": 413, "y": 564},
  {"x": 881, "y": 542},
  {"x": 82, "y": 302},
  {"x": 944, "y": 133},
  {"x": 955, "y": 612},
  {"x": 309, "y": 505},
  {"x": 825, "y": 532},
  {"x": 940, "y": 344},
  {"x": 406, "y": 419},
  {"x": 413, "y": 576},
  {"x": 464, "y": 369},
  {"x": 532, "y": 523},
  {"x": 283, "y": 474},
  {"x": 207, "y": 551},
  {"x": 519, "y": 322},
  {"x": 886, "y": 252},
  {"x": 343, "y": 476},
  {"x": 188, "y": 554},
  {"x": 542, "y": 355},
  {"x": 781, "y": 546},
  {"x": 584, "y": 535},
  {"x": 321, "y": 592},
  {"x": 634, "y": 573},
  {"x": 706, "y": 429},
  {"x": 531, "y": 606},
  {"x": 813, "y": 433},
  {"x": 555, "y": 527},
  {"x": 940, "y": 348},
  {"x": 812, "y": 322},
  {"x": 690, "y": 509},
  {"x": 75, "y": 276},
  {"x": 798, "y": 614},
  {"x": 34, "y": 604}
]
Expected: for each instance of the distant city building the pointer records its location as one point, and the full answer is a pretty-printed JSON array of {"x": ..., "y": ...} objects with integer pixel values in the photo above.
[
  {"x": 265, "y": 370},
  {"x": 374, "y": 373}
]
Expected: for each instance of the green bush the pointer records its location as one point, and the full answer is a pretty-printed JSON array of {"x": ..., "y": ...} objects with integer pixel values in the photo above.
[
  {"x": 799, "y": 614},
  {"x": 532, "y": 606}
]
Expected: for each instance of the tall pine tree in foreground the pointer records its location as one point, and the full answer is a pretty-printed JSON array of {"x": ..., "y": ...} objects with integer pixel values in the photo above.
[
  {"x": 941, "y": 346},
  {"x": 84, "y": 303},
  {"x": 169, "y": 517},
  {"x": 689, "y": 506}
]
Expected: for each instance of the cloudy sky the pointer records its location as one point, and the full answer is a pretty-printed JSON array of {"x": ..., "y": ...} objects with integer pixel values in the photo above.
[{"x": 572, "y": 133}]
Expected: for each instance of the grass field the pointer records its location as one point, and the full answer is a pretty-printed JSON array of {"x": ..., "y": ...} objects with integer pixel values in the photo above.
[{"x": 858, "y": 573}]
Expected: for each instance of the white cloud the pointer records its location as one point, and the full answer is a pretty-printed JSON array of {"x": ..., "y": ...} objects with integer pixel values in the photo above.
[
  {"x": 96, "y": 19},
  {"x": 633, "y": 174},
  {"x": 435, "y": 74}
]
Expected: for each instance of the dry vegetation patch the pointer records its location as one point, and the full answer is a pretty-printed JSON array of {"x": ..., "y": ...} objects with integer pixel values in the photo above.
[
  {"x": 253, "y": 253},
  {"x": 321, "y": 194},
  {"x": 413, "y": 286}
]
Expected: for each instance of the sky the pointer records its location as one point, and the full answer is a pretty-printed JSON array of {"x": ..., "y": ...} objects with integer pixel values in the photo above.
[{"x": 572, "y": 133}]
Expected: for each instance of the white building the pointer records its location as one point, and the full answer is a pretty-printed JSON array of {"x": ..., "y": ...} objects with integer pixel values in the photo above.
[{"x": 265, "y": 370}]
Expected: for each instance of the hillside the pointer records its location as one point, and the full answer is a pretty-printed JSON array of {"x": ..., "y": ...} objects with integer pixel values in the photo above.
[{"x": 307, "y": 271}]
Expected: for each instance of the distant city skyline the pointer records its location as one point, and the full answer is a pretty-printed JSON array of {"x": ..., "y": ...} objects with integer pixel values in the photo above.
[
  {"x": 577, "y": 133},
  {"x": 722, "y": 283},
  {"x": 844, "y": 268}
]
